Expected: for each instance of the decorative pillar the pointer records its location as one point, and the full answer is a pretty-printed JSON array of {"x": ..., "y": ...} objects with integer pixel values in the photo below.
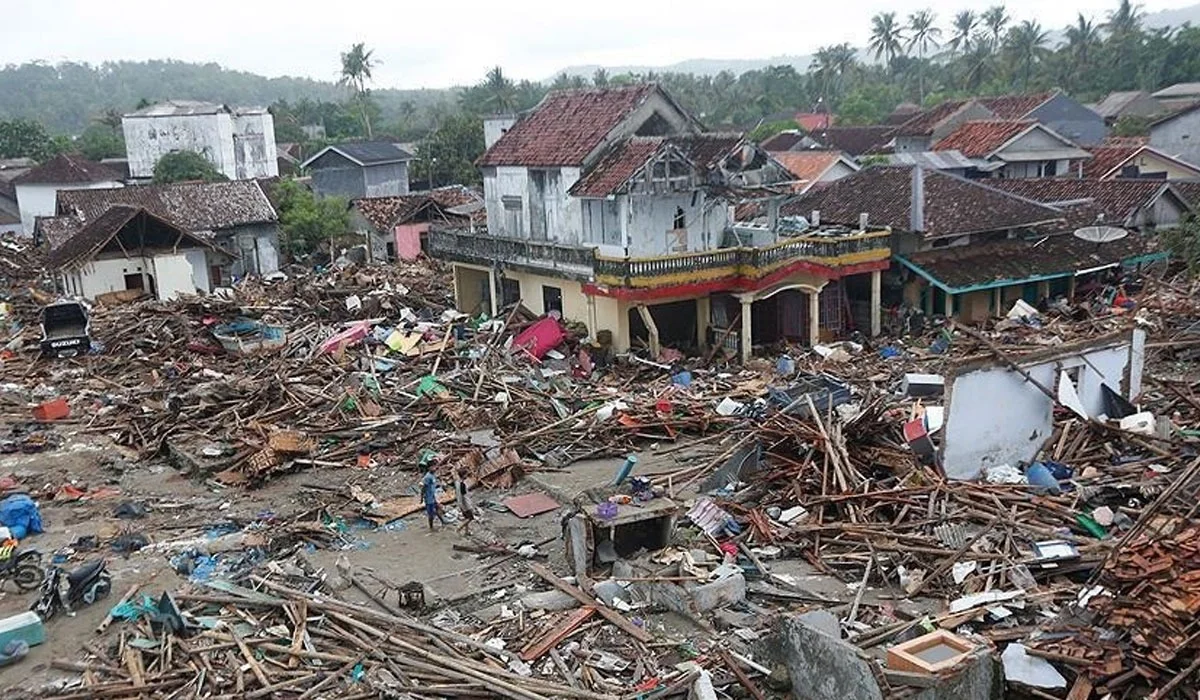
[
  {"x": 703, "y": 316},
  {"x": 814, "y": 318},
  {"x": 997, "y": 302},
  {"x": 876, "y": 303},
  {"x": 747, "y": 326},
  {"x": 949, "y": 304}
]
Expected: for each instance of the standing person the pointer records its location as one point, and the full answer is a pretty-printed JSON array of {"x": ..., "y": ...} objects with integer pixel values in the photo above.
[
  {"x": 429, "y": 493},
  {"x": 464, "y": 503}
]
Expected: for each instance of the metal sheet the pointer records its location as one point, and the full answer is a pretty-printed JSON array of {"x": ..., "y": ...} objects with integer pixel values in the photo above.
[{"x": 530, "y": 504}]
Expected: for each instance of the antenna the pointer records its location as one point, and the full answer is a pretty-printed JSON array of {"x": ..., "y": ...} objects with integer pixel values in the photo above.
[{"x": 1100, "y": 234}]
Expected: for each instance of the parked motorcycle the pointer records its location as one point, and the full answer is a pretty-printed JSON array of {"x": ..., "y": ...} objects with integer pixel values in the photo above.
[
  {"x": 22, "y": 568},
  {"x": 64, "y": 592}
]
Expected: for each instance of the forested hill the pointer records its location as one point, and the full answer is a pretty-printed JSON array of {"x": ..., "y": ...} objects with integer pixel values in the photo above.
[{"x": 67, "y": 96}]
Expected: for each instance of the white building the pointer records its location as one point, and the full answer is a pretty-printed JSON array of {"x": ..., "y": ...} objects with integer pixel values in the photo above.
[
  {"x": 240, "y": 143},
  {"x": 37, "y": 190},
  {"x": 128, "y": 248}
]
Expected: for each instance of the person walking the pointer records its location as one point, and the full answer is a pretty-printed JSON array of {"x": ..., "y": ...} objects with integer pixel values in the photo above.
[
  {"x": 465, "y": 506},
  {"x": 429, "y": 490}
]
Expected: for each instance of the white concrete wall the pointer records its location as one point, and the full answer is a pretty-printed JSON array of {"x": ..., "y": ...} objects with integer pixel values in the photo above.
[
  {"x": 254, "y": 146},
  {"x": 41, "y": 199},
  {"x": 106, "y": 275},
  {"x": 995, "y": 416},
  {"x": 211, "y": 135},
  {"x": 651, "y": 216},
  {"x": 564, "y": 214}
]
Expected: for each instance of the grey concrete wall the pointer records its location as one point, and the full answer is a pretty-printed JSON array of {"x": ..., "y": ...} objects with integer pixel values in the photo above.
[
  {"x": 1179, "y": 137},
  {"x": 386, "y": 180},
  {"x": 341, "y": 180}
]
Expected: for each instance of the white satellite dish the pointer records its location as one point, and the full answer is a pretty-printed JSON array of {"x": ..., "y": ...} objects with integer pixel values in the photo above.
[{"x": 1100, "y": 234}]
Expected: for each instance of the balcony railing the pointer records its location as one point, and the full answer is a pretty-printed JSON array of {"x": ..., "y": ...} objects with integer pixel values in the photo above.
[{"x": 747, "y": 262}]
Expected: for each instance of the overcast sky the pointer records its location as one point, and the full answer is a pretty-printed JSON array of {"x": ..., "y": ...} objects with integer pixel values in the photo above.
[{"x": 436, "y": 44}]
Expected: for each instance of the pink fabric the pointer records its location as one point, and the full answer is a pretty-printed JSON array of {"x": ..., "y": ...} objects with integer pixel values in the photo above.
[
  {"x": 346, "y": 338},
  {"x": 408, "y": 240}
]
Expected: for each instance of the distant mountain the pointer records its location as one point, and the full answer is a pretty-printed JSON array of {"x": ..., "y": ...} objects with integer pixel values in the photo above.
[
  {"x": 696, "y": 66},
  {"x": 712, "y": 66}
]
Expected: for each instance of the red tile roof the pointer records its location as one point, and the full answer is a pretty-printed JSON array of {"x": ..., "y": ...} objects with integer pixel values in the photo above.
[
  {"x": 811, "y": 121},
  {"x": 1015, "y": 106},
  {"x": 1106, "y": 158},
  {"x": 385, "y": 212},
  {"x": 67, "y": 169},
  {"x": 625, "y": 159},
  {"x": 953, "y": 205},
  {"x": 925, "y": 122},
  {"x": 807, "y": 166},
  {"x": 980, "y": 138},
  {"x": 1117, "y": 199},
  {"x": 855, "y": 140},
  {"x": 565, "y": 127}
]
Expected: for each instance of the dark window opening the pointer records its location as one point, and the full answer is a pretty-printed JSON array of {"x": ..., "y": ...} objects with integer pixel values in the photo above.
[
  {"x": 214, "y": 276},
  {"x": 391, "y": 250},
  {"x": 654, "y": 126},
  {"x": 135, "y": 281},
  {"x": 551, "y": 299},
  {"x": 510, "y": 291},
  {"x": 680, "y": 220}
]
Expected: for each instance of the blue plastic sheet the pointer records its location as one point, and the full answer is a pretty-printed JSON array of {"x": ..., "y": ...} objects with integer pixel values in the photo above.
[{"x": 20, "y": 514}]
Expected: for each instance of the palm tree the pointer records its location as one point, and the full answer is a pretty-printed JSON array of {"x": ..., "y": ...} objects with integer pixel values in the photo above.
[
  {"x": 996, "y": 18},
  {"x": 600, "y": 78},
  {"x": 501, "y": 93},
  {"x": 1082, "y": 38},
  {"x": 110, "y": 117},
  {"x": 964, "y": 30},
  {"x": 980, "y": 60},
  {"x": 832, "y": 64},
  {"x": 1027, "y": 44},
  {"x": 922, "y": 34},
  {"x": 357, "y": 64},
  {"x": 886, "y": 37},
  {"x": 1124, "y": 20}
]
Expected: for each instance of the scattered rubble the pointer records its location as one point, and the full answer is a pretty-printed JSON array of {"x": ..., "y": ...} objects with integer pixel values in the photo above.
[{"x": 768, "y": 530}]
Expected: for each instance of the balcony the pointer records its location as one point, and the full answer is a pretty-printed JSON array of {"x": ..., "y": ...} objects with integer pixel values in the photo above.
[
  {"x": 741, "y": 267},
  {"x": 746, "y": 265},
  {"x": 574, "y": 262}
]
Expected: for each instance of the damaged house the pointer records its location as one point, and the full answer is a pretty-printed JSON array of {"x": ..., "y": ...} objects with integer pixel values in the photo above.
[
  {"x": 129, "y": 249},
  {"x": 395, "y": 227},
  {"x": 234, "y": 216},
  {"x": 613, "y": 208}
]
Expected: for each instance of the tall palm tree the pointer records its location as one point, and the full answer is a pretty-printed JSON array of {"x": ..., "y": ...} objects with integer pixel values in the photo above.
[
  {"x": 832, "y": 64},
  {"x": 1124, "y": 20},
  {"x": 1082, "y": 39},
  {"x": 996, "y": 18},
  {"x": 887, "y": 38},
  {"x": 923, "y": 34},
  {"x": 1027, "y": 44},
  {"x": 980, "y": 61},
  {"x": 964, "y": 30},
  {"x": 501, "y": 93},
  {"x": 357, "y": 64}
]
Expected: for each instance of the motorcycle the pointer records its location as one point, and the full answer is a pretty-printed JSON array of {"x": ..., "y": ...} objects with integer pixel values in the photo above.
[
  {"x": 23, "y": 568},
  {"x": 63, "y": 591}
]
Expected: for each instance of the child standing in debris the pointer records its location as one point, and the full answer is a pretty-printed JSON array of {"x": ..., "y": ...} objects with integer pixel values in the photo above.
[
  {"x": 429, "y": 493},
  {"x": 465, "y": 507}
]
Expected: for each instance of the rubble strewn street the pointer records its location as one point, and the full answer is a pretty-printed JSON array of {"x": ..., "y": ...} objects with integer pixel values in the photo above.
[{"x": 249, "y": 464}]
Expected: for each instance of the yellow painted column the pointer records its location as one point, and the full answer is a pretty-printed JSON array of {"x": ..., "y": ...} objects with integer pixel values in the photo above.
[
  {"x": 703, "y": 314},
  {"x": 876, "y": 301}
]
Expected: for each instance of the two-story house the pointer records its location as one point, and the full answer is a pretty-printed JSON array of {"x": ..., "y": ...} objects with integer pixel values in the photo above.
[
  {"x": 613, "y": 207},
  {"x": 1015, "y": 149}
]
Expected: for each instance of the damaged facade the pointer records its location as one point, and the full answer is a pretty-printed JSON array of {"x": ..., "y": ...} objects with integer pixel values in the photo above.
[
  {"x": 239, "y": 142},
  {"x": 613, "y": 207}
]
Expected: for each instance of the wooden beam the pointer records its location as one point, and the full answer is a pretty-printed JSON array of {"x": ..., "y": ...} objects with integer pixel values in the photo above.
[{"x": 608, "y": 613}]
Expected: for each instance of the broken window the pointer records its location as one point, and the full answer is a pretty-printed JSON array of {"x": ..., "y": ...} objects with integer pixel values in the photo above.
[
  {"x": 551, "y": 299},
  {"x": 510, "y": 291},
  {"x": 655, "y": 125}
]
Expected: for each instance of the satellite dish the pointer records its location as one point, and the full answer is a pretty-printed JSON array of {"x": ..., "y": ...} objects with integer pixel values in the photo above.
[{"x": 1100, "y": 234}]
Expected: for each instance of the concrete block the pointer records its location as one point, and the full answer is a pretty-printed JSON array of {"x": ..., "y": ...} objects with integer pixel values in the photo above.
[
  {"x": 823, "y": 666},
  {"x": 550, "y": 601},
  {"x": 719, "y": 593},
  {"x": 823, "y": 621}
]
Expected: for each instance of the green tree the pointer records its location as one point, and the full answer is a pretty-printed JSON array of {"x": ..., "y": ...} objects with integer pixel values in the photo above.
[
  {"x": 1132, "y": 126},
  {"x": 185, "y": 166},
  {"x": 1183, "y": 243},
  {"x": 887, "y": 38},
  {"x": 1083, "y": 38},
  {"x": 448, "y": 155},
  {"x": 600, "y": 78},
  {"x": 964, "y": 25},
  {"x": 25, "y": 138},
  {"x": 98, "y": 141},
  {"x": 501, "y": 93},
  {"x": 1026, "y": 43},
  {"x": 306, "y": 220},
  {"x": 923, "y": 34},
  {"x": 357, "y": 64},
  {"x": 996, "y": 19}
]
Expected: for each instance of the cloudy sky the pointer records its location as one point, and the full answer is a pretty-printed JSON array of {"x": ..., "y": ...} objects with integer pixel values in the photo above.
[{"x": 435, "y": 44}]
